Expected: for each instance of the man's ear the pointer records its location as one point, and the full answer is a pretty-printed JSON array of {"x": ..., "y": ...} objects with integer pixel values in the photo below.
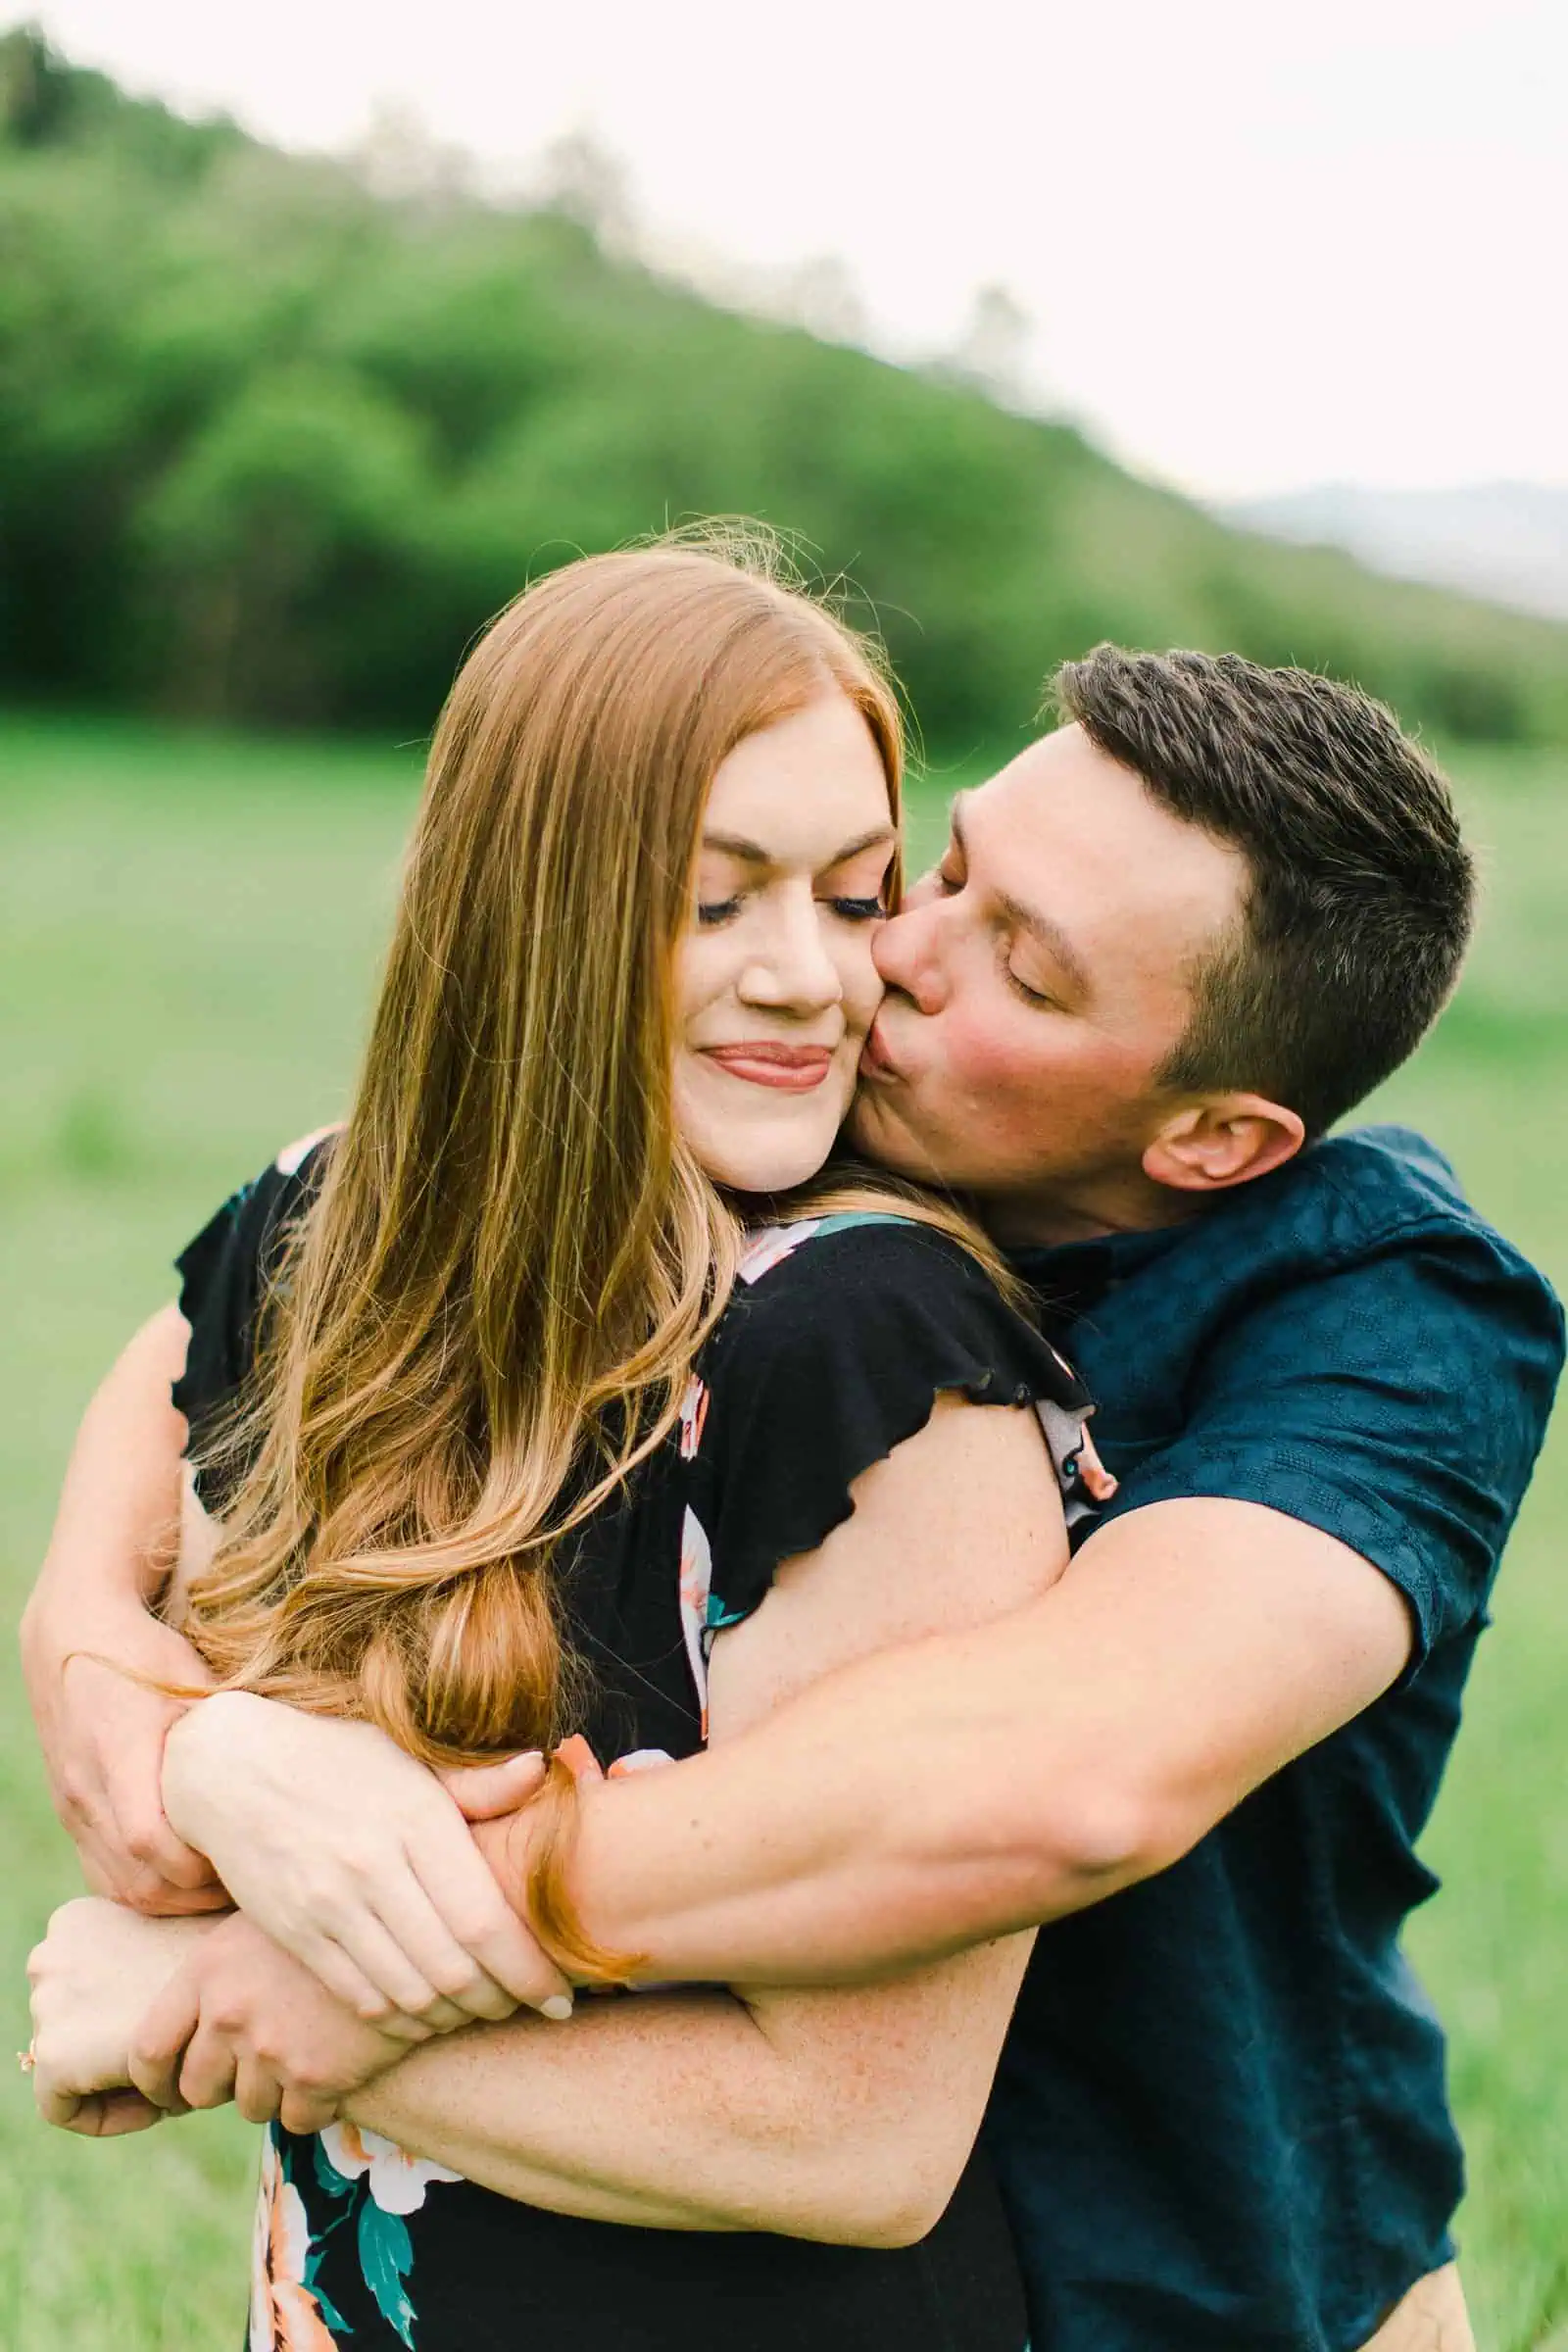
[{"x": 1227, "y": 1139}]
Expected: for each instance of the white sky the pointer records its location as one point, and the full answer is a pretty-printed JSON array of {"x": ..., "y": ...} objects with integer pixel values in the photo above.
[{"x": 1262, "y": 244}]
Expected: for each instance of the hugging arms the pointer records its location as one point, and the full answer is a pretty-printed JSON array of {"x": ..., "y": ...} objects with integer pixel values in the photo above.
[{"x": 925, "y": 1800}]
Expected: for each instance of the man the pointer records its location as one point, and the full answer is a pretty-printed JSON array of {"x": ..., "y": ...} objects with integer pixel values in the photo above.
[{"x": 1167, "y": 948}]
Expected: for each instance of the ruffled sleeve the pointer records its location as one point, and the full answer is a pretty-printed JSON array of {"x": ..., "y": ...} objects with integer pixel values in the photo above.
[
  {"x": 831, "y": 1355},
  {"x": 223, "y": 1276}
]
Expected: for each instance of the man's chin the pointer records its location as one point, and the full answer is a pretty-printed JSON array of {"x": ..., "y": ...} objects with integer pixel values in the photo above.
[{"x": 882, "y": 1134}]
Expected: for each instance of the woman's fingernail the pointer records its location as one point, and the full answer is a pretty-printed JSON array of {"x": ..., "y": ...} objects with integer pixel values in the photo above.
[{"x": 558, "y": 2006}]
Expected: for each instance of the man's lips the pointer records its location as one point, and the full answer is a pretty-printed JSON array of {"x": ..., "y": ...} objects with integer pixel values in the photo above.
[
  {"x": 875, "y": 1060},
  {"x": 794, "y": 1069}
]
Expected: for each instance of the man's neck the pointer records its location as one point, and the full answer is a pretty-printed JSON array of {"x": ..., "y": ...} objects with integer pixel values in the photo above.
[{"x": 1050, "y": 1219}]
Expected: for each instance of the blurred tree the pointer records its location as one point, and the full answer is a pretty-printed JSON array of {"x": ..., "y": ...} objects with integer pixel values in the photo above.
[
  {"x": 273, "y": 445},
  {"x": 285, "y": 540}
]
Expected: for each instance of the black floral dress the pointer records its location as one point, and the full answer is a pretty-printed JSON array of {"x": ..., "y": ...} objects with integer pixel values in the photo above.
[{"x": 839, "y": 1335}]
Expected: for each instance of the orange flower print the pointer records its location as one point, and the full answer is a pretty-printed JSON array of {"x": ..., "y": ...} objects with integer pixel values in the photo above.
[
  {"x": 285, "y": 2316},
  {"x": 692, "y": 1416}
]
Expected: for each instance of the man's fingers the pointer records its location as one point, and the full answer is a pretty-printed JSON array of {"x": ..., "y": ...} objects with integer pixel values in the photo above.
[
  {"x": 258, "y": 2092},
  {"x": 207, "y": 2077},
  {"x": 306, "y": 2111},
  {"x": 158, "y": 2046},
  {"x": 55, "y": 2104},
  {"x": 481, "y": 1791},
  {"x": 110, "y": 2114},
  {"x": 157, "y": 1897},
  {"x": 141, "y": 1831},
  {"x": 579, "y": 1759}
]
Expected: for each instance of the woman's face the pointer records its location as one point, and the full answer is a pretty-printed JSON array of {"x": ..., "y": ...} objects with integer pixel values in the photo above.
[{"x": 775, "y": 980}]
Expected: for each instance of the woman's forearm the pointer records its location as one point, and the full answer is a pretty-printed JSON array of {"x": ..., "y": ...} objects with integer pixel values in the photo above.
[{"x": 673, "y": 2112}]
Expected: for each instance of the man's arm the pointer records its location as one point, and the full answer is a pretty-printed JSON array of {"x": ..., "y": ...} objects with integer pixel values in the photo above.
[
  {"x": 969, "y": 1786},
  {"x": 115, "y": 1540}
]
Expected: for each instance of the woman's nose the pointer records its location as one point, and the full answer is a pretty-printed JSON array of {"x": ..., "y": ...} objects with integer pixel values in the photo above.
[
  {"x": 795, "y": 971},
  {"x": 906, "y": 955}
]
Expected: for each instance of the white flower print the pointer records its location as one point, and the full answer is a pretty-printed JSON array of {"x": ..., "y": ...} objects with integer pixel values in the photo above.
[{"x": 398, "y": 2181}]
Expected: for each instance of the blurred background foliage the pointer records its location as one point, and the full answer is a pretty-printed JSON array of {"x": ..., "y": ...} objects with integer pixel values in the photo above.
[{"x": 273, "y": 446}]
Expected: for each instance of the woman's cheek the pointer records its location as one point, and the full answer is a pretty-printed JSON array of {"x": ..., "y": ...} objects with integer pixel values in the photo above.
[{"x": 864, "y": 990}]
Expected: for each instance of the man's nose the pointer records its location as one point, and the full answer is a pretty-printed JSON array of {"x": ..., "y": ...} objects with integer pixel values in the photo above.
[
  {"x": 907, "y": 951},
  {"x": 794, "y": 973}
]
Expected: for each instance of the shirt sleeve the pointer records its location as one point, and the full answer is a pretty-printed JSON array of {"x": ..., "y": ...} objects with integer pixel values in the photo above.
[
  {"x": 223, "y": 1278},
  {"x": 1397, "y": 1404},
  {"x": 822, "y": 1366}
]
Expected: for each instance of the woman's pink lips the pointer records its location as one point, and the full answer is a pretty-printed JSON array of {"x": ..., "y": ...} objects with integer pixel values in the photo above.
[{"x": 794, "y": 1068}]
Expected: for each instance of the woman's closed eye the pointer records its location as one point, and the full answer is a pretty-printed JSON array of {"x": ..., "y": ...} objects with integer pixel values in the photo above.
[
  {"x": 711, "y": 912},
  {"x": 858, "y": 910}
]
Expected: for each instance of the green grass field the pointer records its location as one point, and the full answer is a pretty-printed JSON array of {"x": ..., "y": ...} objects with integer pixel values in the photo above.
[{"x": 188, "y": 933}]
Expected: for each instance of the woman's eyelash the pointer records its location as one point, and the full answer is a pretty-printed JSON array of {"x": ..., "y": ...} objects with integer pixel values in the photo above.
[{"x": 711, "y": 912}]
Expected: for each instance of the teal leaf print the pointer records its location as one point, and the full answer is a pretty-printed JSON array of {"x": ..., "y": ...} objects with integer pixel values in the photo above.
[
  {"x": 387, "y": 2256},
  {"x": 324, "y": 2303},
  {"x": 335, "y": 2183}
]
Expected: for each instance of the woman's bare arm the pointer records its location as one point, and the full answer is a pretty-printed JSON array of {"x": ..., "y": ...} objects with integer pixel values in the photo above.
[{"x": 837, "y": 2114}]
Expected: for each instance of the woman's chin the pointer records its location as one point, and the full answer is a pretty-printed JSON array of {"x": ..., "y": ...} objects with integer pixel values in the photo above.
[{"x": 765, "y": 1164}]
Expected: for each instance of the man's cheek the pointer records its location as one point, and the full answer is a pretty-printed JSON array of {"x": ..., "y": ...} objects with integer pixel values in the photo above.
[{"x": 991, "y": 1069}]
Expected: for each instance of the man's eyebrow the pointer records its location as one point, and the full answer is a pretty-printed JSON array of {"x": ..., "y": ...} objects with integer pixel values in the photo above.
[
  {"x": 752, "y": 853},
  {"x": 1049, "y": 933}
]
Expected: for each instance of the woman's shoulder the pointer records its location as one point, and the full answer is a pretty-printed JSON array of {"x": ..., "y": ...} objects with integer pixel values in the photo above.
[
  {"x": 840, "y": 1337},
  {"x": 831, "y": 1292},
  {"x": 225, "y": 1270}
]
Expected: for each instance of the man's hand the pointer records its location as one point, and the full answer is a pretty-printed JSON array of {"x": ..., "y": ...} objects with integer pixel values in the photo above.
[
  {"x": 103, "y": 1734},
  {"x": 244, "y": 2021},
  {"x": 355, "y": 1860},
  {"x": 116, "y": 1537},
  {"x": 92, "y": 1976}
]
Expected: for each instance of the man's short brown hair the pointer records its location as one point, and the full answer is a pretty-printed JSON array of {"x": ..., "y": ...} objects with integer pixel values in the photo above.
[{"x": 1362, "y": 890}]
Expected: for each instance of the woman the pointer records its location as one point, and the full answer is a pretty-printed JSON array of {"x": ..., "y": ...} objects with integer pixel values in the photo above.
[{"x": 526, "y": 1407}]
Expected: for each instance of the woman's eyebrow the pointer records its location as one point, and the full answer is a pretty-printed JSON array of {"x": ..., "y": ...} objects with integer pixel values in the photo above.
[
  {"x": 752, "y": 853},
  {"x": 879, "y": 837},
  {"x": 733, "y": 845}
]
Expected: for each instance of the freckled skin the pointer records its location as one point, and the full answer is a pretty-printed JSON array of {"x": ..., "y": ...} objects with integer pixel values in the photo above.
[{"x": 1044, "y": 1110}]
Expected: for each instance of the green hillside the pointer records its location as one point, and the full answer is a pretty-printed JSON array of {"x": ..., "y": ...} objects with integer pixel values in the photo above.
[{"x": 271, "y": 448}]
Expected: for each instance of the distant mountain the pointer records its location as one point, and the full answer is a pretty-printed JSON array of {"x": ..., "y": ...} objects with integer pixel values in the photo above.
[{"x": 1505, "y": 541}]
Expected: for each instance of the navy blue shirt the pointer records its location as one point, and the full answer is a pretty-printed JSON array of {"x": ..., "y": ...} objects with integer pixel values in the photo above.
[{"x": 1221, "y": 2116}]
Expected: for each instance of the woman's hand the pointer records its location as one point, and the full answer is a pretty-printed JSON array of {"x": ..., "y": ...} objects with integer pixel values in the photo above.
[
  {"x": 355, "y": 1860},
  {"x": 93, "y": 1977},
  {"x": 244, "y": 2021}
]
